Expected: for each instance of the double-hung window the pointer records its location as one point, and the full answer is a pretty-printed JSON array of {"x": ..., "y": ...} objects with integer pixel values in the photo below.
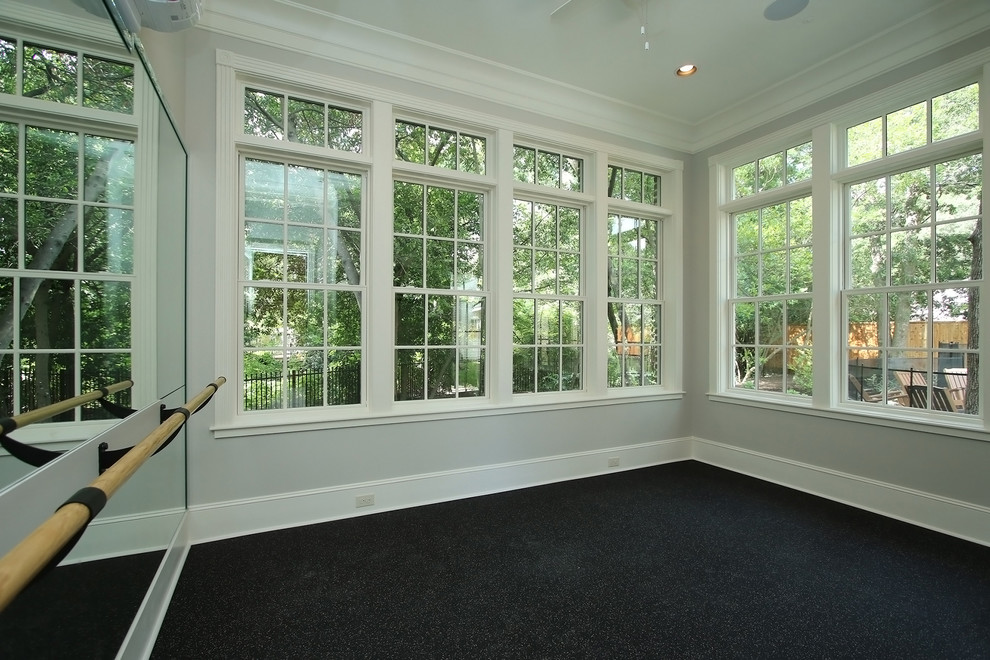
[
  {"x": 913, "y": 252},
  {"x": 302, "y": 277},
  {"x": 67, "y": 231}
]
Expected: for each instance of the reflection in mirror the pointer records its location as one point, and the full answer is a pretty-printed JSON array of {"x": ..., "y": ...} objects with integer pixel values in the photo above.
[{"x": 92, "y": 215}]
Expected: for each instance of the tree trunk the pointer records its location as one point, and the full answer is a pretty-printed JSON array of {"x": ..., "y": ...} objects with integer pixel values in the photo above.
[{"x": 972, "y": 402}]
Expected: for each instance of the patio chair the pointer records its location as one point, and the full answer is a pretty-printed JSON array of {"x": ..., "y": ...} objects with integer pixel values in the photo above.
[
  {"x": 866, "y": 395},
  {"x": 956, "y": 381},
  {"x": 918, "y": 394},
  {"x": 910, "y": 377}
]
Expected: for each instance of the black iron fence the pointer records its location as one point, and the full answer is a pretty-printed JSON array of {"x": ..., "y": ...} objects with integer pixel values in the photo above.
[
  {"x": 303, "y": 388},
  {"x": 39, "y": 390}
]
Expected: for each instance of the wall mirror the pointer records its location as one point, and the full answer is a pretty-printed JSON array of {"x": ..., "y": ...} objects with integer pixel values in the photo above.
[{"x": 92, "y": 292}]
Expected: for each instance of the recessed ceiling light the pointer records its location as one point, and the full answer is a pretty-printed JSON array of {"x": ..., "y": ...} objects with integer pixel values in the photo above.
[{"x": 686, "y": 70}]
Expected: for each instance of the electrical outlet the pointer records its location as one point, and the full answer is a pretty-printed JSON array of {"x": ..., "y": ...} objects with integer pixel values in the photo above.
[
  {"x": 613, "y": 462},
  {"x": 364, "y": 500}
]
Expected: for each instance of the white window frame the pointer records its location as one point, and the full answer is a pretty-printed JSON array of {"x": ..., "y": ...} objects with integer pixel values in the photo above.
[
  {"x": 102, "y": 41},
  {"x": 829, "y": 176},
  {"x": 383, "y": 107}
]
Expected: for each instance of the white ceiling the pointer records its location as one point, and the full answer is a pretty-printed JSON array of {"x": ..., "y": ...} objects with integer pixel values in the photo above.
[{"x": 749, "y": 67}]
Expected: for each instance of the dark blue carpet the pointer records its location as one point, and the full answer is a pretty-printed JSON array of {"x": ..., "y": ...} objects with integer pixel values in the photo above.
[{"x": 677, "y": 561}]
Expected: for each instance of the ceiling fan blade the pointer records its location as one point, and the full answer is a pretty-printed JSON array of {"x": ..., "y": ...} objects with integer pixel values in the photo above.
[{"x": 566, "y": 2}]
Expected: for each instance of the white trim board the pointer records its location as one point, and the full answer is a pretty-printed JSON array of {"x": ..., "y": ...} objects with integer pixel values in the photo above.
[
  {"x": 941, "y": 514},
  {"x": 237, "y": 518}
]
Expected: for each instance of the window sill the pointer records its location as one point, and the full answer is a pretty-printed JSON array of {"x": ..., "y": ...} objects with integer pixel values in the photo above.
[
  {"x": 950, "y": 424},
  {"x": 415, "y": 411}
]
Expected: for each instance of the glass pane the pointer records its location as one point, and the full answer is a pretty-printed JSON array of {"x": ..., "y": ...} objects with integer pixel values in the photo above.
[
  {"x": 956, "y": 113},
  {"x": 773, "y": 226},
  {"x": 910, "y": 198},
  {"x": 8, "y": 80},
  {"x": 469, "y": 216},
  {"x": 571, "y": 177},
  {"x": 306, "y": 122},
  {"x": 441, "y": 366},
  {"x": 522, "y": 269},
  {"x": 410, "y": 317},
  {"x": 570, "y": 369},
  {"x": 344, "y": 318},
  {"x": 865, "y": 142},
  {"x": 108, "y": 85},
  {"x": 8, "y": 235},
  {"x": 9, "y": 160},
  {"x": 632, "y": 186},
  {"x": 523, "y": 321},
  {"x": 571, "y": 316},
  {"x": 408, "y": 201},
  {"x": 545, "y": 225},
  {"x": 908, "y": 311},
  {"x": 263, "y": 114},
  {"x": 868, "y": 206},
  {"x": 744, "y": 368},
  {"x": 343, "y": 378},
  {"x": 958, "y": 186},
  {"x": 907, "y": 128},
  {"x": 548, "y": 169},
  {"x": 471, "y": 371},
  {"x": 439, "y": 264},
  {"x": 800, "y": 221},
  {"x": 774, "y": 273},
  {"x": 799, "y": 163},
  {"x": 747, "y": 232},
  {"x": 304, "y": 254},
  {"x": 569, "y": 274},
  {"x": 524, "y": 164},
  {"x": 522, "y": 222},
  {"x": 770, "y": 367},
  {"x": 548, "y": 376},
  {"x": 263, "y": 250},
  {"x": 344, "y": 199},
  {"x": 440, "y": 321},
  {"x": 410, "y": 374},
  {"x": 264, "y": 189},
  {"x": 798, "y": 322},
  {"x": 304, "y": 383},
  {"x": 108, "y": 170},
  {"x": 343, "y": 257},
  {"x": 744, "y": 180},
  {"x": 651, "y": 189},
  {"x": 408, "y": 261},
  {"x": 440, "y": 212},
  {"x": 547, "y": 322},
  {"x": 50, "y": 235},
  {"x": 798, "y": 375},
  {"x": 305, "y": 317},
  {"x": 47, "y": 379},
  {"x": 263, "y": 315},
  {"x": 470, "y": 266},
  {"x": 410, "y": 142},
  {"x": 50, "y": 321},
  {"x": 49, "y": 74},
  {"x": 51, "y": 167},
  {"x": 629, "y": 279},
  {"x": 99, "y": 370},
  {"x": 868, "y": 261},
  {"x": 523, "y": 370},
  {"x": 748, "y": 275},
  {"x": 771, "y": 171},
  {"x": 344, "y": 132},
  {"x": 545, "y": 271},
  {"x": 305, "y": 195},
  {"x": 105, "y": 314},
  {"x": 614, "y": 182},
  {"x": 770, "y": 322},
  {"x": 443, "y": 149},
  {"x": 910, "y": 257},
  {"x": 262, "y": 380},
  {"x": 108, "y": 240},
  {"x": 864, "y": 314},
  {"x": 800, "y": 279},
  {"x": 954, "y": 251},
  {"x": 570, "y": 229},
  {"x": 471, "y": 155},
  {"x": 744, "y": 315}
]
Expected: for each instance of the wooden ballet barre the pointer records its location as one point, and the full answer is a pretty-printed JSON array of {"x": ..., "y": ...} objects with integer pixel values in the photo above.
[
  {"x": 29, "y": 557},
  {"x": 52, "y": 409}
]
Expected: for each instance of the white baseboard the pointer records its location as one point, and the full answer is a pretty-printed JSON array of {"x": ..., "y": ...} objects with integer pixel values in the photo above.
[
  {"x": 125, "y": 535},
  {"x": 942, "y": 514},
  {"x": 141, "y": 636},
  {"x": 236, "y": 518}
]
